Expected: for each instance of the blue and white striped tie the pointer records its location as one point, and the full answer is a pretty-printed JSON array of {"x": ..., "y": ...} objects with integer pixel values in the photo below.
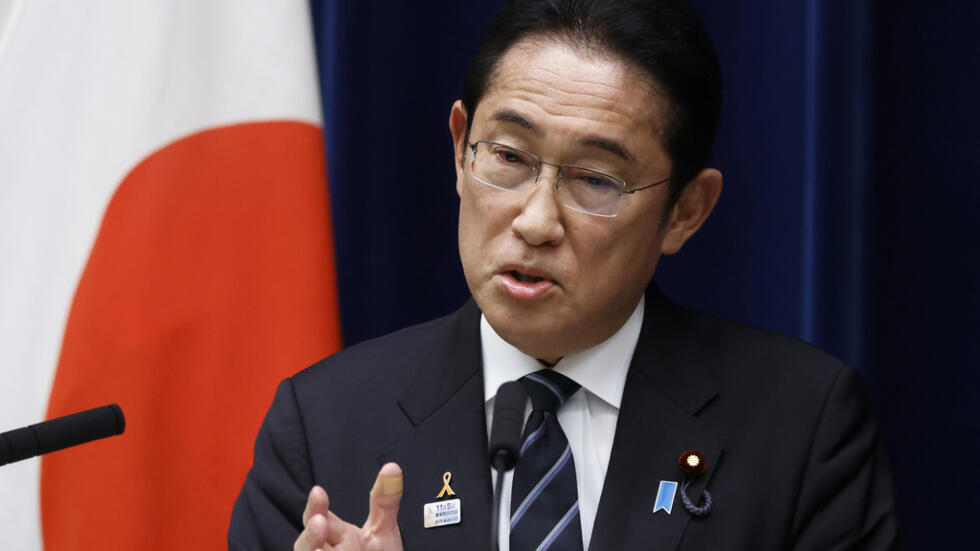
[{"x": 544, "y": 496}]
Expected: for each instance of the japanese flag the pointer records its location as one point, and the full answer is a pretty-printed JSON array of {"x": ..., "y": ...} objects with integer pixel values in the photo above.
[{"x": 165, "y": 244}]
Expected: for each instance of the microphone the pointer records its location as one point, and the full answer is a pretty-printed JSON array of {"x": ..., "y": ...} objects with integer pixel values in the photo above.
[
  {"x": 61, "y": 432},
  {"x": 505, "y": 441},
  {"x": 508, "y": 422}
]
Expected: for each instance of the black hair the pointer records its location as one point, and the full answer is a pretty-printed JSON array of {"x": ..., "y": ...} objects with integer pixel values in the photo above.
[{"x": 664, "y": 38}]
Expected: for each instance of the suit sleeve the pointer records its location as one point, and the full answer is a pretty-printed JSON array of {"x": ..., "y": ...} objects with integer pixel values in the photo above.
[
  {"x": 847, "y": 499},
  {"x": 268, "y": 512}
]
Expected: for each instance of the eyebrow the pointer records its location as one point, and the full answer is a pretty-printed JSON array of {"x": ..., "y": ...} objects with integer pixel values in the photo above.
[
  {"x": 614, "y": 147},
  {"x": 506, "y": 115}
]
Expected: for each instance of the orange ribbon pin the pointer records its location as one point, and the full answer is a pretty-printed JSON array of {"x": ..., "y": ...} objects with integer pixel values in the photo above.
[{"x": 446, "y": 490}]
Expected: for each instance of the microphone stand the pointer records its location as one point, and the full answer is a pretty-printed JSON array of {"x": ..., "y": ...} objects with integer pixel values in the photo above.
[{"x": 498, "y": 490}]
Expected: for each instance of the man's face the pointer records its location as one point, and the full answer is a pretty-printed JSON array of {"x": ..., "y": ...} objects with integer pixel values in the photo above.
[{"x": 550, "y": 280}]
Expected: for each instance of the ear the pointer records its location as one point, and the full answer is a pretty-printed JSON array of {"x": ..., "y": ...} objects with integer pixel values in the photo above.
[
  {"x": 692, "y": 209},
  {"x": 457, "y": 127}
]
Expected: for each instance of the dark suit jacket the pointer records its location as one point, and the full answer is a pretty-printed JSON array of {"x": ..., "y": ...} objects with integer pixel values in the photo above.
[{"x": 793, "y": 459}]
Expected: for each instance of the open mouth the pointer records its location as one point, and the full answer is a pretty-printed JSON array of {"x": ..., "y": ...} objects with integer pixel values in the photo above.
[
  {"x": 524, "y": 278},
  {"x": 524, "y": 286}
]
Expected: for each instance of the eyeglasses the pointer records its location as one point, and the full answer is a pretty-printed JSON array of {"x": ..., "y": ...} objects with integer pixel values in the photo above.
[{"x": 509, "y": 169}]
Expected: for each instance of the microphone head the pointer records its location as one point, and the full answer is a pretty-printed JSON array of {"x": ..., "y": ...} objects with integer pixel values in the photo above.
[
  {"x": 79, "y": 428},
  {"x": 119, "y": 426},
  {"x": 61, "y": 432},
  {"x": 508, "y": 423}
]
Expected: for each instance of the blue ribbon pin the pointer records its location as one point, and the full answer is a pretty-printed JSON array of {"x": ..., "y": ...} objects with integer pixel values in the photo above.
[{"x": 665, "y": 496}]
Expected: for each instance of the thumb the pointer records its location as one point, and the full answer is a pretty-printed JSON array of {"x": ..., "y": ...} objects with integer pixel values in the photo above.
[{"x": 385, "y": 496}]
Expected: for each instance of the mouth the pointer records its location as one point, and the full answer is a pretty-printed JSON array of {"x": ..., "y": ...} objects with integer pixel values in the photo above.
[
  {"x": 525, "y": 278},
  {"x": 525, "y": 284}
]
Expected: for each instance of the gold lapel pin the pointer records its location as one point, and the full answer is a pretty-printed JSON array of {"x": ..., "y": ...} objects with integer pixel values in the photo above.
[
  {"x": 692, "y": 463},
  {"x": 446, "y": 490}
]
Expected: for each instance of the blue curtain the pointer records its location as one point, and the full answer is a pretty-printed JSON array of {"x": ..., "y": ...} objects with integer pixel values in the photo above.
[{"x": 849, "y": 143}]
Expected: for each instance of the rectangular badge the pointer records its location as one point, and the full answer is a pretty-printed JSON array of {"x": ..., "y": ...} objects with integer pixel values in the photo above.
[{"x": 441, "y": 513}]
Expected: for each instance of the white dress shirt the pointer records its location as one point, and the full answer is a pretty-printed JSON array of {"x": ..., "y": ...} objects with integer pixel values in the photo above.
[{"x": 588, "y": 418}]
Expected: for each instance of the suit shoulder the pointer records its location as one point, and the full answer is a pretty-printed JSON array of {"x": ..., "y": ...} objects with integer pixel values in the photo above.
[
  {"x": 769, "y": 343},
  {"x": 763, "y": 357},
  {"x": 386, "y": 361}
]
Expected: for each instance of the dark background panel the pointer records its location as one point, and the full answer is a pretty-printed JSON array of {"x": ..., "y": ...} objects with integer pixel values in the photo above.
[
  {"x": 390, "y": 72},
  {"x": 746, "y": 263},
  {"x": 924, "y": 297},
  {"x": 848, "y": 140}
]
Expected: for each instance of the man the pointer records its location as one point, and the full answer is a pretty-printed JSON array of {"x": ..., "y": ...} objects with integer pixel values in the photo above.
[{"x": 580, "y": 149}]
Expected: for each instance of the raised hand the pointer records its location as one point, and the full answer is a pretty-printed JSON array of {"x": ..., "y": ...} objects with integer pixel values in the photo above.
[{"x": 323, "y": 530}]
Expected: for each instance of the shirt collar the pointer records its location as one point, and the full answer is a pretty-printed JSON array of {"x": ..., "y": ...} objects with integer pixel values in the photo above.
[{"x": 601, "y": 369}]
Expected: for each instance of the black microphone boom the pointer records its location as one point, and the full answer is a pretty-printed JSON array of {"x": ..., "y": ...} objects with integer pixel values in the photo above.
[
  {"x": 508, "y": 422},
  {"x": 61, "y": 432},
  {"x": 505, "y": 441}
]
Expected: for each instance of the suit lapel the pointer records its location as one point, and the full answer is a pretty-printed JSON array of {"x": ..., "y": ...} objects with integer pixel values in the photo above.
[
  {"x": 666, "y": 387},
  {"x": 445, "y": 404}
]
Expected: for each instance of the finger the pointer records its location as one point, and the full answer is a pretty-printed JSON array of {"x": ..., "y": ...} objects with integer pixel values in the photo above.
[
  {"x": 385, "y": 496},
  {"x": 313, "y": 536},
  {"x": 316, "y": 504}
]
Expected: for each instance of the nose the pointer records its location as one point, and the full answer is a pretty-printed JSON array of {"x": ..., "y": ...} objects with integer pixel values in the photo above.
[{"x": 539, "y": 222}]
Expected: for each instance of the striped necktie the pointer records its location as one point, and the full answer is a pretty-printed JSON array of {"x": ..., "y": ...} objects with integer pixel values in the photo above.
[{"x": 544, "y": 496}]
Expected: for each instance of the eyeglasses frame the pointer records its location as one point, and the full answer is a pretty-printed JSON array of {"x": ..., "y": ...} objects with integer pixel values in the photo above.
[{"x": 537, "y": 173}]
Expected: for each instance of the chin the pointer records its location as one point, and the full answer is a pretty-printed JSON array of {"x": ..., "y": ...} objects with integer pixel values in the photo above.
[
  {"x": 536, "y": 346},
  {"x": 533, "y": 333}
]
